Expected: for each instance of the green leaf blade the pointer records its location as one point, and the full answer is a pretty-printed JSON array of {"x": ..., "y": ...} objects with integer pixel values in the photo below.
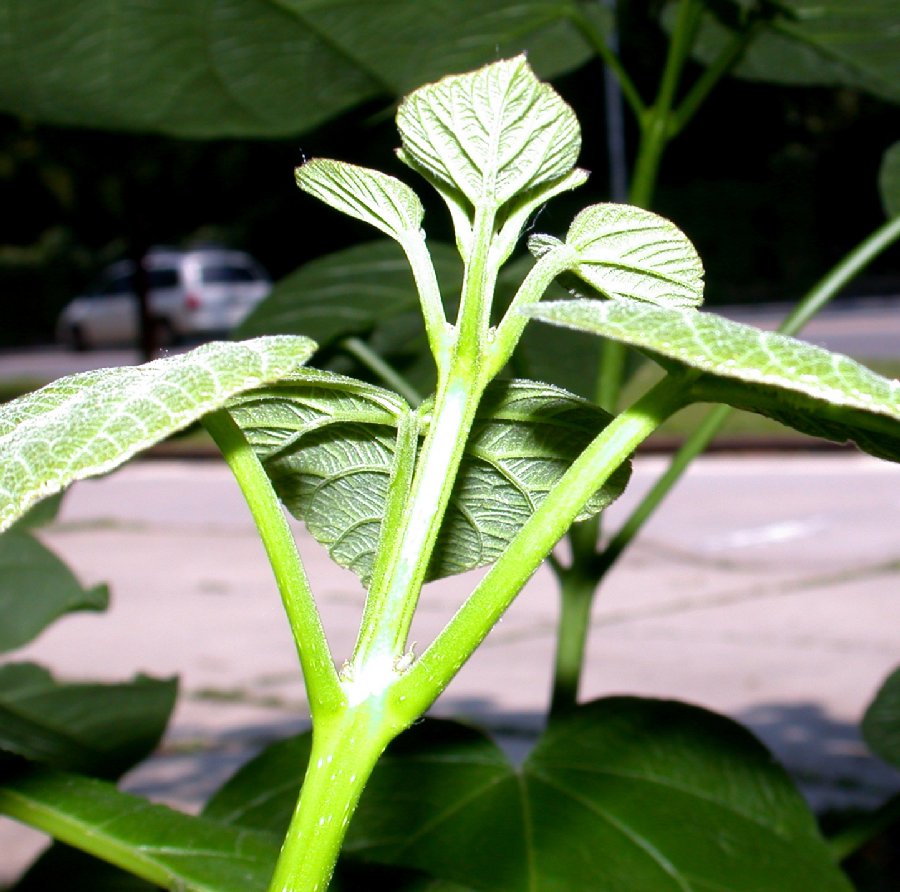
[
  {"x": 626, "y": 251},
  {"x": 159, "y": 844},
  {"x": 490, "y": 134},
  {"x": 90, "y": 423},
  {"x": 803, "y": 386},
  {"x": 36, "y": 588},
  {"x": 881, "y": 722},
  {"x": 375, "y": 198}
]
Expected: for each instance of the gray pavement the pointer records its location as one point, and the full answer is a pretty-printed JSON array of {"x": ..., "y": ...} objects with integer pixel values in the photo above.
[{"x": 766, "y": 588}]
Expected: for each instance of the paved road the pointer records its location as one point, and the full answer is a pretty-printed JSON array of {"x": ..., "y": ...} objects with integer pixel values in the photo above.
[{"x": 766, "y": 589}]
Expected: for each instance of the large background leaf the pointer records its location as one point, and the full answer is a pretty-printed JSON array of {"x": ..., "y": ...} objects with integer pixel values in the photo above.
[
  {"x": 90, "y": 423},
  {"x": 621, "y": 794},
  {"x": 820, "y": 393},
  {"x": 253, "y": 67},
  {"x": 881, "y": 723},
  {"x": 328, "y": 444},
  {"x": 36, "y": 587},
  {"x": 99, "y": 729},
  {"x": 819, "y": 42}
]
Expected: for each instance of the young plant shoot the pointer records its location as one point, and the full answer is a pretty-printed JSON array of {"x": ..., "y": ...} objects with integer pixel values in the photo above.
[{"x": 489, "y": 471}]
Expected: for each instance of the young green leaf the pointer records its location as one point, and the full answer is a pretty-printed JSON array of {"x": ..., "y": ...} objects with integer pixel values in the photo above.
[
  {"x": 625, "y": 251},
  {"x": 97, "y": 729},
  {"x": 490, "y": 134},
  {"x": 161, "y": 845},
  {"x": 328, "y": 443},
  {"x": 36, "y": 588},
  {"x": 90, "y": 423},
  {"x": 375, "y": 198},
  {"x": 881, "y": 723},
  {"x": 798, "y": 384}
]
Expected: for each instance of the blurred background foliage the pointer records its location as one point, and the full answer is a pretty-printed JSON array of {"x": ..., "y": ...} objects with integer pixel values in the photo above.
[{"x": 121, "y": 130}]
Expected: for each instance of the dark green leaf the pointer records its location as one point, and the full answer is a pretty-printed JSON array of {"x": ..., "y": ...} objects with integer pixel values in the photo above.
[
  {"x": 818, "y": 42},
  {"x": 889, "y": 181},
  {"x": 328, "y": 442},
  {"x": 62, "y": 867},
  {"x": 159, "y": 844},
  {"x": 623, "y": 794},
  {"x": 97, "y": 729},
  {"x": 41, "y": 514},
  {"x": 881, "y": 723},
  {"x": 90, "y": 423},
  {"x": 252, "y": 67},
  {"x": 803, "y": 386},
  {"x": 36, "y": 588}
]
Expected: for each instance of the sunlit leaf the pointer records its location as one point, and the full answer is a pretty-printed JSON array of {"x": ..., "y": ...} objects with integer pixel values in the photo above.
[
  {"x": 328, "y": 445},
  {"x": 881, "y": 723},
  {"x": 98, "y": 729},
  {"x": 159, "y": 844},
  {"x": 490, "y": 134},
  {"x": 625, "y": 251},
  {"x": 90, "y": 423},
  {"x": 257, "y": 68},
  {"x": 36, "y": 588},
  {"x": 375, "y": 198},
  {"x": 805, "y": 387},
  {"x": 621, "y": 794}
]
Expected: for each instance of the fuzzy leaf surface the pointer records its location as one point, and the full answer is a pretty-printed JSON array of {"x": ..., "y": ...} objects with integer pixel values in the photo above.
[
  {"x": 818, "y": 42},
  {"x": 374, "y": 197},
  {"x": 623, "y": 793},
  {"x": 36, "y": 588},
  {"x": 490, "y": 134},
  {"x": 805, "y": 387},
  {"x": 161, "y": 845},
  {"x": 626, "y": 251},
  {"x": 254, "y": 67},
  {"x": 98, "y": 729},
  {"x": 90, "y": 423},
  {"x": 328, "y": 443},
  {"x": 881, "y": 723}
]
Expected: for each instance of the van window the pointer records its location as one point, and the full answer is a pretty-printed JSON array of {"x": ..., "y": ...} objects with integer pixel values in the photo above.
[
  {"x": 162, "y": 278},
  {"x": 223, "y": 274}
]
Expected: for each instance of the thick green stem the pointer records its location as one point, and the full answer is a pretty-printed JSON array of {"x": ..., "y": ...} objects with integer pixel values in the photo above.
[
  {"x": 465, "y": 631},
  {"x": 322, "y": 686},
  {"x": 344, "y": 752}
]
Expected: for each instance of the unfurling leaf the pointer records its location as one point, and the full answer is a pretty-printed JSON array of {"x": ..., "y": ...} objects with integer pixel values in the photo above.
[
  {"x": 490, "y": 134},
  {"x": 90, "y": 423},
  {"x": 328, "y": 444},
  {"x": 368, "y": 195},
  {"x": 803, "y": 386},
  {"x": 625, "y": 251}
]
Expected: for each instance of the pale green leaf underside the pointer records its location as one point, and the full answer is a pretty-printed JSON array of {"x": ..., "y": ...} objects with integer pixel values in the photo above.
[
  {"x": 626, "y": 251},
  {"x": 375, "y": 198},
  {"x": 36, "y": 588},
  {"x": 490, "y": 134},
  {"x": 159, "y": 844},
  {"x": 90, "y": 423},
  {"x": 328, "y": 444},
  {"x": 816, "y": 391}
]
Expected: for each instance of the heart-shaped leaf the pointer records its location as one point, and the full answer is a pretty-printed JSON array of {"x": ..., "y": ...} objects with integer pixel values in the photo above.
[
  {"x": 625, "y": 251},
  {"x": 375, "y": 198},
  {"x": 490, "y": 134},
  {"x": 622, "y": 793},
  {"x": 161, "y": 845},
  {"x": 90, "y": 423},
  {"x": 327, "y": 442},
  {"x": 36, "y": 588},
  {"x": 817, "y": 42},
  {"x": 98, "y": 729},
  {"x": 805, "y": 387},
  {"x": 256, "y": 68},
  {"x": 881, "y": 723}
]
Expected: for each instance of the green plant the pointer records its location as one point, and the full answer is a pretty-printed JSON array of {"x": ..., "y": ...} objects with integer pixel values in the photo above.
[{"x": 489, "y": 471}]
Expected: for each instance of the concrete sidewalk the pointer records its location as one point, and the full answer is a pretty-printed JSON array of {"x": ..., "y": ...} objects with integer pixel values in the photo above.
[{"x": 766, "y": 588}]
